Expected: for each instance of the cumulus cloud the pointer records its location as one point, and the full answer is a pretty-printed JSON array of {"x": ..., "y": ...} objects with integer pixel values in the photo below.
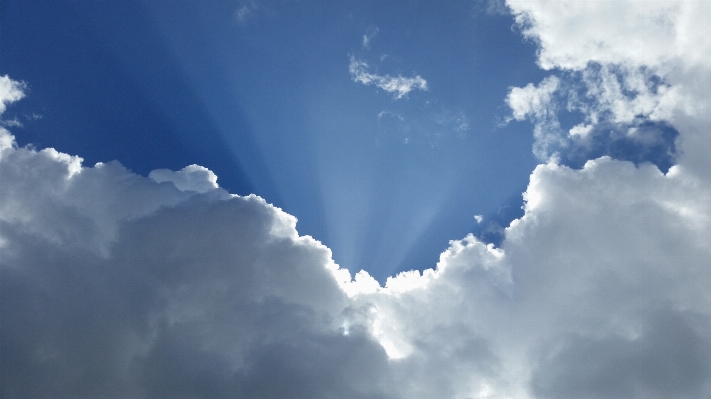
[
  {"x": 118, "y": 285},
  {"x": 191, "y": 178},
  {"x": 655, "y": 33},
  {"x": 608, "y": 97},
  {"x": 399, "y": 86},
  {"x": 10, "y": 91},
  {"x": 658, "y": 73}
]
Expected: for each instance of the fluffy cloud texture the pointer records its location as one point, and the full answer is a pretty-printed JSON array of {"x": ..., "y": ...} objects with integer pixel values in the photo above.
[
  {"x": 117, "y": 285},
  {"x": 626, "y": 64}
]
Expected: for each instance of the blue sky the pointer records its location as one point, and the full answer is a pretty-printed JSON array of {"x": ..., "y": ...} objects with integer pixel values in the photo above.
[
  {"x": 261, "y": 94},
  {"x": 495, "y": 199}
]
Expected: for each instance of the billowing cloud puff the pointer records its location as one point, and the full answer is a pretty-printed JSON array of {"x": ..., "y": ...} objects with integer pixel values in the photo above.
[
  {"x": 635, "y": 33},
  {"x": 10, "y": 91},
  {"x": 191, "y": 178},
  {"x": 117, "y": 285}
]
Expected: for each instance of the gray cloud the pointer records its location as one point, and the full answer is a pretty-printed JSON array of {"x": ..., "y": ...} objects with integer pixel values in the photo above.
[
  {"x": 668, "y": 359},
  {"x": 207, "y": 297}
]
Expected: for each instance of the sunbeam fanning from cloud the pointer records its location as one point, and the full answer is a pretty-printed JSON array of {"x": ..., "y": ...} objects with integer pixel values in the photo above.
[{"x": 166, "y": 284}]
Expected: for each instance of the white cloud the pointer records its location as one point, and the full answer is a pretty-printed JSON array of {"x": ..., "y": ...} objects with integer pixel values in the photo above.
[
  {"x": 116, "y": 285},
  {"x": 538, "y": 104},
  {"x": 635, "y": 33},
  {"x": 191, "y": 178},
  {"x": 10, "y": 91},
  {"x": 659, "y": 72},
  {"x": 532, "y": 100},
  {"x": 399, "y": 86}
]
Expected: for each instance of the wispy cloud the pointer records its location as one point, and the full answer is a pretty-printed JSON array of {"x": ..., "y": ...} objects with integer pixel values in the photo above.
[
  {"x": 399, "y": 85},
  {"x": 369, "y": 36},
  {"x": 456, "y": 121},
  {"x": 245, "y": 11},
  {"x": 494, "y": 7}
]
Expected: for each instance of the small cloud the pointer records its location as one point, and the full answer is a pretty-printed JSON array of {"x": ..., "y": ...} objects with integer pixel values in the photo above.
[
  {"x": 389, "y": 114},
  {"x": 456, "y": 121},
  {"x": 10, "y": 91},
  {"x": 478, "y": 218},
  {"x": 245, "y": 11},
  {"x": 14, "y": 122},
  {"x": 532, "y": 101},
  {"x": 399, "y": 85},
  {"x": 580, "y": 130},
  {"x": 369, "y": 35}
]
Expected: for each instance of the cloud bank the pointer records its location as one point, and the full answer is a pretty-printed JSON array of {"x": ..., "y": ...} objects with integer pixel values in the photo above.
[{"x": 117, "y": 285}]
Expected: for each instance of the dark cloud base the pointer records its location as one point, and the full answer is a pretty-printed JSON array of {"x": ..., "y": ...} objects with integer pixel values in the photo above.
[{"x": 195, "y": 301}]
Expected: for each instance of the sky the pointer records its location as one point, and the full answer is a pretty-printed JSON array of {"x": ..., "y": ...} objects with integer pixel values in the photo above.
[
  {"x": 258, "y": 199},
  {"x": 282, "y": 99}
]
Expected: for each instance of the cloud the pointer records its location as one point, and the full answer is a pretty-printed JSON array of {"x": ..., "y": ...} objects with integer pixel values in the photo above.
[
  {"x": 657, "y": 74},
  {"x": 666, "y": 360},
  {"x": 656, "y": 33},
  {"x": 245, "y": 11},
  {"x": 191, "y": 178},
  {"x": 10, "y": 91},
  {"x": 538, "y": 104},
  {"x": 118, "y": 285},
  {"x": 399, "y": 86},
  {"x": 456, "y": 121},
  {"x": 369, "y": 36},
  {"x": 493, "y": 7}
]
